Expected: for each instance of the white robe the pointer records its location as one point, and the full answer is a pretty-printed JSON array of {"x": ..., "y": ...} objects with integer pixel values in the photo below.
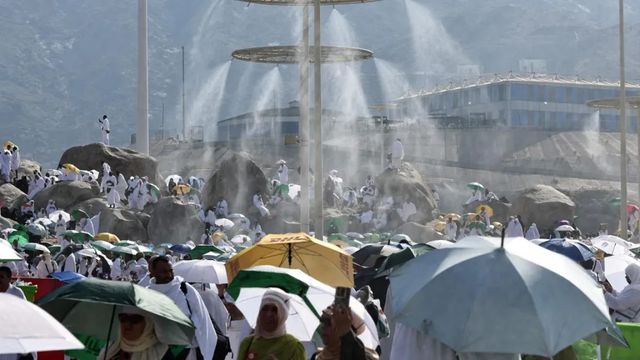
[
  {"x": 113, "y": 197},
  {"x": 397, "y": 154},
  {"x": 5, "y": 159},
  {"x": 257, "y": 202},
  {"x": 15, "y": 160},
  {"x": 205, "y": 334},
  {"x": 105, "y": 129},
  {"x": 210, "y": 218},
  {"x": 514, "y": 229},
  {"x": 61, "y": 227},
  {"x": 532, "y": 232},
  {"x": 35, "y": 187},
  {"x": 222, "y": 208},
  {"x": 283, "y": 174},
  {"x": 407, "y": 210},
  {"x": 450, "y": 231},
  {"x": 216, "y": 308},
  {"x": 116, "y": 269},
  {"x": 51, "y": 208},
  {"x": 69, "y": 264},
  {"x": 122, "y": 186}
]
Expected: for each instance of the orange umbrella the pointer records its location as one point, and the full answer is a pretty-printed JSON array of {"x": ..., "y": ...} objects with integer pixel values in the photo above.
[{"x": 321, "y": 260}]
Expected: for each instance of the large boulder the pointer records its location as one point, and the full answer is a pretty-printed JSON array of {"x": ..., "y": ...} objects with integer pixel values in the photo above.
[
  {"x": 175, "y": 222},
  {"x": 418, "y": 233},
  {"x": 65, "y": 194},
  {"x": 125, "y": 161},
  {"x": 6, "y": 223},
  {"x": 408, "y": 183},
  {"x": 11, "y": 197},
  {"x": 236, "y": 179},
  {"x": 27, "y": 167},
  {"x": 93, "y": 206},
  {"x": 594, "y": 207},
  {"x": 123, "y": 223},
  {"x": 543, "y": 205}
]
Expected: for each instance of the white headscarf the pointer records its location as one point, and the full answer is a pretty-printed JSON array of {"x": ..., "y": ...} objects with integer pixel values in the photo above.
[
  {"x": 146, "y": 347},
  {"x": 280, "y": 299}
]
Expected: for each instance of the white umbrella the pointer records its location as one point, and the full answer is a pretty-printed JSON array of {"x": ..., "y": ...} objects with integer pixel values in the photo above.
[
  {"x": 241, "y": 239},
  {"x": 65, "y": 216},
  {"x": 124, "y": 250},
  {"x": 225, "y": 224},
  {"x": 176, "y": 179},
  {"x": 614, "y": 267},
  {"x": 30, "y": 329},
  {"x": 613, "y": 245},
  {"x": 301, "y": 322},
  {"x": 440, "y": 244},
  {"x": 565, "y": 228},
  {"x": 8, "y": 254},
  {"x": 321, "y": 296},
  {"x": 294, "y": 190},
  {"x": 201, "y": 271},
  {"x": 46, "y": 222},
  {"x": 35, "y": 247},
  {"x": 102, "y": 245}
]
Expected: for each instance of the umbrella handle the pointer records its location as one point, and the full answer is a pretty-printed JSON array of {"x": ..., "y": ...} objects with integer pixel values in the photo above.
[
  {"x": 106, "y": 349},
  {"x": 313, "y": 309}
]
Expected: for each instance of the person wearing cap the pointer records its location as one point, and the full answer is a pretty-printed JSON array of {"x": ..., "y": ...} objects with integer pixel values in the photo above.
[
  {"x": 626, "y": 304},
  {"x": 137, "y": 340},
  {"x": 270, "y": 340},
  {"x": 283, "y": 172}
]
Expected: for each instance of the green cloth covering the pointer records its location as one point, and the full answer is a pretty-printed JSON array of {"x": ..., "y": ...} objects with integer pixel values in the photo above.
[
  {"x": 285, "y": 347},
  {"x": 631, "y": 332}
]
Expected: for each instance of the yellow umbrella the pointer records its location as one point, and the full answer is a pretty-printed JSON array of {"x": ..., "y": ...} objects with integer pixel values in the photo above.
[
  {"x": 323, "y": 261},
  {"x": 71, "y": 167},
  {"x": 339, "y": 243},
  {"x": 108, "y": 237},
  {"x": 439, "y": 226},
  {"x": 9, "y": 143},
  {"x": 487, "y": 209},
  {"x": 453, "y": 216},
  {"x": 182, "y": 189}
]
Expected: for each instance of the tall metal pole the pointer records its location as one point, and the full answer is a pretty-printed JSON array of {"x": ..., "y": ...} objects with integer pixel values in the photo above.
[
  {"x": 142, "y": 124},
  {"x": 623, "y": 131},
  {"x": 303, "y": 131},
  {"x": 184, "y": 116},
  {"x": 317, "y": 112}
]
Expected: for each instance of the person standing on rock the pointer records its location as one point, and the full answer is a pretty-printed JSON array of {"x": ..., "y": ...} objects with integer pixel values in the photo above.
[
  {"x": 113, "y": 197},
  {"x": 514, "y": 229},
  {"x": 15, "y": 160},
  {"x": 484, "y": 216},
  {"x": 407, "y": 210},
  {"x": 451, "y": 230},
  {"x": 5, "y": 160},
  {"x": 51, "y": 207},
  {"x": 283, "y": 172},
  {"x": 106, "y": 169},
  {"x": 209, "y": 219},
  {"x": 36, "y": 184},
  {"x": 105, "y": 129},
  {"x": 258, "y": 203},
  {"x": 397, "y": 154},
  {"x": 532, "y": 232},
  {"x": 143, "y": 193},
  {"x": 222, "y": 208},
  {"x": 121, "y": 186},
  {"x": 132, "y": 192}
]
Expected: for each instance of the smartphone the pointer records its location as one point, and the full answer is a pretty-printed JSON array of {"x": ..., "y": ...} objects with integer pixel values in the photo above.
[{"x": 343, "y": 294}]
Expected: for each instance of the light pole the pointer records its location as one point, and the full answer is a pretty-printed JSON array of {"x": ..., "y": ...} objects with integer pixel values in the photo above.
[
  {"x": 317, "y": 122},
  {"x": 142, "y": 123},
  {"x": 304, "y": 123},
  {"x": 623, "y": 131},
  {"x": 184, "y": 116}
]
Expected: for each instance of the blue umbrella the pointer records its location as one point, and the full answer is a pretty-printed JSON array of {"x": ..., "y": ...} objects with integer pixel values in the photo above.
[
  {"x": 574, "y": 250},
  {"x": 181, "y": 248},
  {"x": 67, "y": 277}
]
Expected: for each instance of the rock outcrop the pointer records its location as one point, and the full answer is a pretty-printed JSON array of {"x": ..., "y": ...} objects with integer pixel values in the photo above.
[
  {"x": 174, "y": 222},
  {"x": 27, "y": 167},
  {"x": 11, "y": 197},
  {"x": 66, "y": 194},
  {"x": 543, "y": 205},
  {"x": 408, "y": 183},
  {"x": 236, "y": 179},
  {"x": 124, "y": 223},
  {"x": 125, "y": 161}
]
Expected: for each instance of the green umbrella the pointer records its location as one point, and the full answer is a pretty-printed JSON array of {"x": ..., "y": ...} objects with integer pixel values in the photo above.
[
  {"x": 20, "y": 236},
  {"x": 142, "y": 249},
  {"x": 102, "y": 245},
  {"x": 475, "y": 186},
  {"x": 79, "y": 236},
  {"x": 35, "y": 247},
  {"x": 78, "y": 214},
  {"x": 125, "y": 243},
  {"x": 200, "y": 250},
  {"x": 124, "y": 250},
  {"x": 88, "y": 307},
  {"x": 477, "y": 225},
  {"x": 282, "y": 190},
  {"x": 155, "y": 190},
  {"x": 55, "y": 249}
]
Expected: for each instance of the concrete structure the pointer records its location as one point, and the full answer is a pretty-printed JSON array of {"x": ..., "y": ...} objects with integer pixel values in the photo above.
[
  {"x": 281, "y": 124},
  {"x": 520, "y": 101}
]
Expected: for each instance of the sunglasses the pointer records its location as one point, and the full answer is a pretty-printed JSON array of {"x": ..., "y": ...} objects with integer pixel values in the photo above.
[{"x": 130, "y": 318}]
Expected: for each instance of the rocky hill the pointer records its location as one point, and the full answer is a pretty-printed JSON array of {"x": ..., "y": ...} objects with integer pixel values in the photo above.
[{"x": 63, "y": 62}]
